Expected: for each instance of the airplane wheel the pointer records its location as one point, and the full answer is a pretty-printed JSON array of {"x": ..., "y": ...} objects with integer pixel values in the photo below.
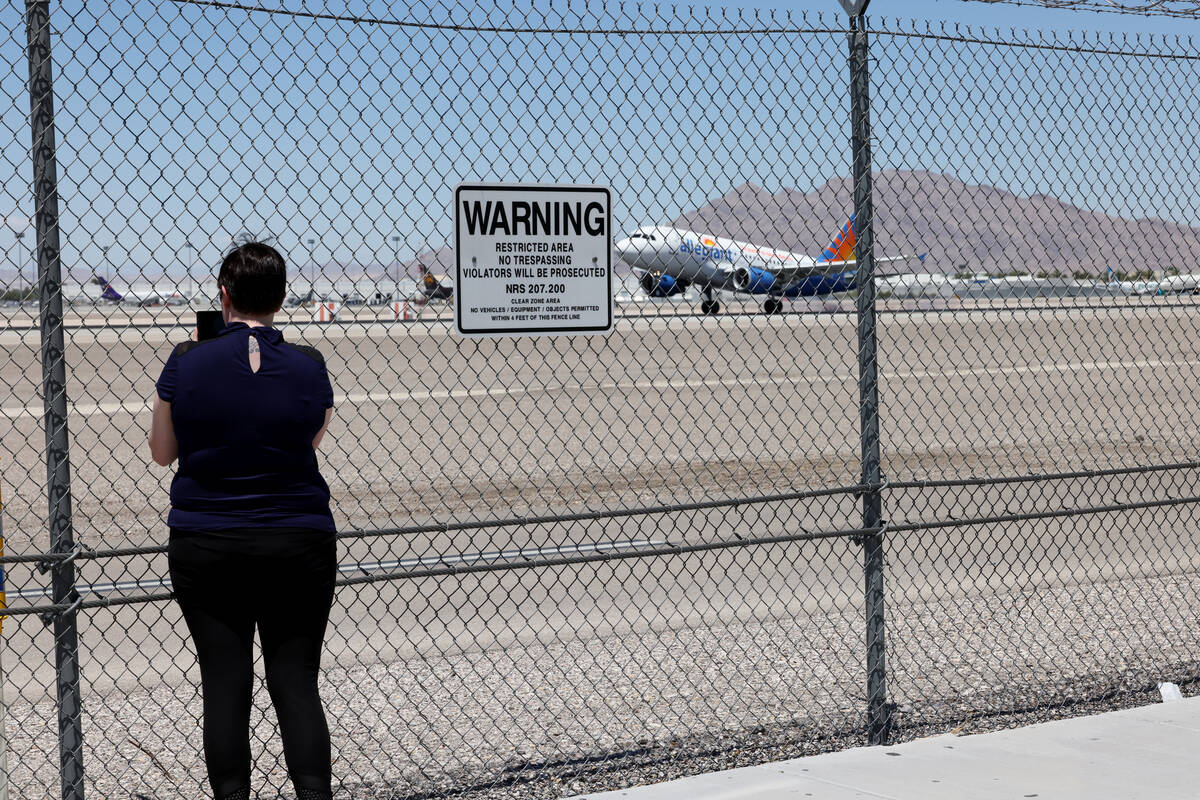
[
  {"x": 710, "y": 307},
  {"x": 772, "y": 306}
]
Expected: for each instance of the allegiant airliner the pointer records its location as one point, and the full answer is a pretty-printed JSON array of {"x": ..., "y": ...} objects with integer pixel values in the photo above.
[{"x": 668, "y": 260}]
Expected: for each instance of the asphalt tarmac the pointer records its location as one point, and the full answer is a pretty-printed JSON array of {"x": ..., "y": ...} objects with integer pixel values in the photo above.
[{"x": 432, "y": 429}]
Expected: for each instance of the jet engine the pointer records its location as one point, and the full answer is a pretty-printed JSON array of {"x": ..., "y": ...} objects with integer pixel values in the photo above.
[
  {"x": 753, "y": 280},
  {"x": 659, "y": 285}
]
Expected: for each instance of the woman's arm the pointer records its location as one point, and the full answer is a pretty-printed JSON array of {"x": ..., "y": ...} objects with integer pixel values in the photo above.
[
  {"x": 163, "y": 447},
  {"x": 321, "y": 433}
]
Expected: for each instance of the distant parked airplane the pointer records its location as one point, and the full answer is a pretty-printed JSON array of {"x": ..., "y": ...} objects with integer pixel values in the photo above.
[
  {"x": 97, "y": 290},
  {"x": 100, "y": 289},
  {"x": 668, "y": 260},
  {"x": 435, "y": 287},
  {"x": 107, "y": 291}
]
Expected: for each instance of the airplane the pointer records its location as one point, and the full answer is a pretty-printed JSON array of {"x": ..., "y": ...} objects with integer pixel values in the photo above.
[
  {"x": 96, "y": 290},
  {"x": 914, "y": 285},
  {"x": 143, "y": 296},
  {"x": 300, "y": 299},
  {"x": 1180, "y": 284},
  {"x": 100, "y": 289},
  {"x": 432, "y": 286},
  {"x": 668, "y": 260}
]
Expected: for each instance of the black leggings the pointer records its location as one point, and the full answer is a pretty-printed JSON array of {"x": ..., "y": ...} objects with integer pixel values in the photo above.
[{"x": 282, "y": 580}]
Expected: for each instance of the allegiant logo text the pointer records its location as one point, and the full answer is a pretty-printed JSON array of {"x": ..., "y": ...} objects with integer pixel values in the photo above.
[{"x": 704, "y": 251}]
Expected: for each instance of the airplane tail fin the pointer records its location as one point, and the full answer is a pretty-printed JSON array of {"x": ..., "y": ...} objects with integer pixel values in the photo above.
[
  {"x": 109, "y": 292},
  {"x": 842, "y": 246}
]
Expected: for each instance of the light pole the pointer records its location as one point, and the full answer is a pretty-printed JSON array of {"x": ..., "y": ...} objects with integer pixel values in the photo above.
[
  {"x": 191, "y": 248},
  {"x": 20, "y": 267},
  {"x": 396, "y": 249},
  {"x": 312, "y": 284}
]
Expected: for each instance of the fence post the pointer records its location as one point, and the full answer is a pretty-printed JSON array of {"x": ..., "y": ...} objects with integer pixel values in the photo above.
[
  {"x": 3, "y": 605},
  {"x": 878, "y": 710},
  {"x": 54, "y": 379}
]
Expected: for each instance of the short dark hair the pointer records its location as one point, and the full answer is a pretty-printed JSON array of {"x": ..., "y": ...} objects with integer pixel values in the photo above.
[{"x": 255, "y": 277}]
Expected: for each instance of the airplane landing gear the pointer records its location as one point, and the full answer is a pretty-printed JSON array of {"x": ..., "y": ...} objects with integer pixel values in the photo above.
[
  {"x": 772, "y": 305},
  {"x": 709, "y": 306}
]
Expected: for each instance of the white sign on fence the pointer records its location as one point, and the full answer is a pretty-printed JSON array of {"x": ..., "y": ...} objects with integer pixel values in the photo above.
[{"x": 532, "y": 260}]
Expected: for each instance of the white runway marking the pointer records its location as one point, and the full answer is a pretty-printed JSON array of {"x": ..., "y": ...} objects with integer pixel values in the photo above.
[{"x": 34, "y": 411}]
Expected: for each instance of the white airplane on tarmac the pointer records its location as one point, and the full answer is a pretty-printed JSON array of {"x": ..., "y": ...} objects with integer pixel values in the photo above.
[
  {"x": 100, "y": 289},
  {"x": 668, "y": 260}
]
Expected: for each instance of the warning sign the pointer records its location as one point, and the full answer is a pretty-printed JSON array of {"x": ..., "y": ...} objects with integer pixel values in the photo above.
[{"x": 532, "y": 260}]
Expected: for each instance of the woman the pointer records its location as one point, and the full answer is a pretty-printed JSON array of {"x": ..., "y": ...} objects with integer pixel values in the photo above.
[{"x": 252, "y": 537}]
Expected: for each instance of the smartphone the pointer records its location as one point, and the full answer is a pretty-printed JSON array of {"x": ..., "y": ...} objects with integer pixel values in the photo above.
[{"x": 208, "y": 324}]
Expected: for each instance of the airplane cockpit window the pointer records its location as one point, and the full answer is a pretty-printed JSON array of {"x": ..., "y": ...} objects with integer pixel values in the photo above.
[
  {"x": 652, "y": 238},
  {"x": 637, "y": 236}
]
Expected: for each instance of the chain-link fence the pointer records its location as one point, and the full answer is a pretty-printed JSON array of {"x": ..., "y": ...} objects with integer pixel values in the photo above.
[{"x": 657, "y": 550}]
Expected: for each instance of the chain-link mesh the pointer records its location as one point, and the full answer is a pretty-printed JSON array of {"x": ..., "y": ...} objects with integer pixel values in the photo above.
[
  {"x": 1061, "y": 158},
  {"x": 566, "y": 556}
]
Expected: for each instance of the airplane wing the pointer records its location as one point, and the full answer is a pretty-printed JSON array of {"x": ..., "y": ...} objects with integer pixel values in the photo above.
[
  {"x": 826, "y": 266},
  {"x": 760, "y": 281},
  {"x": 895, "y": 259}
]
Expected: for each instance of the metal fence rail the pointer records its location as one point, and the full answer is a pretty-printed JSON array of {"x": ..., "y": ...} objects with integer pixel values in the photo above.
[{"x": 941, "y": 498}]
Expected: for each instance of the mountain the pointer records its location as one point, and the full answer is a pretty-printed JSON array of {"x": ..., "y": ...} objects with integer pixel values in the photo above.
[
  {"x": 439, "y": 262},
  {"x": 961, "y": 226}
]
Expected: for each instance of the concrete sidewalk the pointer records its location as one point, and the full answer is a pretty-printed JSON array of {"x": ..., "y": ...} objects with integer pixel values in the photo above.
[{"x": 1147, "y": 752}]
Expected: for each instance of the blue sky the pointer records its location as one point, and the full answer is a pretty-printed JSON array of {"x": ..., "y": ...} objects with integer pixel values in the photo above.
[
  {"x": 180, "y": 124},
  {"x": 999, "y": 15}
]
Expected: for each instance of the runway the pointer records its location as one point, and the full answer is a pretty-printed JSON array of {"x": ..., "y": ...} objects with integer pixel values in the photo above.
[
  {"x": 463, "y": 438},
  {"x": 434, "y": 431},
  {"x": 427, "y": 425}
]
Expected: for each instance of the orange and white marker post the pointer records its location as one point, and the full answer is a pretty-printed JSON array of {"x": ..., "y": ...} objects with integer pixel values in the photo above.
[
  {"x": 326, "y": 312},
  {"x": 402, "y": 310}
]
